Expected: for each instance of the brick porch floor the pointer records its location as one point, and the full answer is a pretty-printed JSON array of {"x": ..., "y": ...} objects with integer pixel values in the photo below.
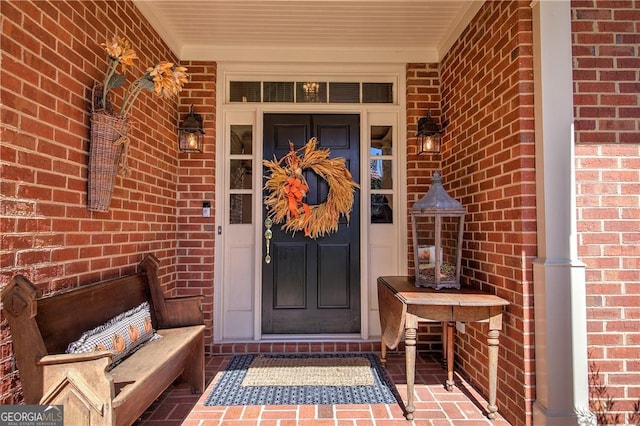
[{"x": 434, "y": 405}]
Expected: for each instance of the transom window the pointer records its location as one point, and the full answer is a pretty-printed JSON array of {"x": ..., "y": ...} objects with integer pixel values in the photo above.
[{"x": 311, "y": 92}]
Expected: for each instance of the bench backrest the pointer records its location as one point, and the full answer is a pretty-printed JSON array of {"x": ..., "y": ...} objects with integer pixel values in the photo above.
[{"x": 63, "y": 317}]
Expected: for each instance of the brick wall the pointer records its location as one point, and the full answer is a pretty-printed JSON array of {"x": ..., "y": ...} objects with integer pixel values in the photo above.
[
  {"x": 51, "y": 57},
  {"x": 606, "y": 49},
  {"x": 487, "y": 163},
  {"x": 196, "y": 184},
  {"x": 423, "y": 96}
]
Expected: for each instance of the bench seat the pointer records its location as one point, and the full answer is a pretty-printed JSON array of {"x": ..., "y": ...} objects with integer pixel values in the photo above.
[{"x": 134, "y": 380}]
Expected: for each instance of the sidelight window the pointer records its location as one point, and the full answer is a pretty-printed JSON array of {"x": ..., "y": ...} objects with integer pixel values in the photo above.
[
  {"x": 240, "y": 174},
  {"x": 381, "y": 174}
]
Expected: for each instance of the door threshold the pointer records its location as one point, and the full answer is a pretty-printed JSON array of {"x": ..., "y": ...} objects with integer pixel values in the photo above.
[{"x": 311, "y": 337}]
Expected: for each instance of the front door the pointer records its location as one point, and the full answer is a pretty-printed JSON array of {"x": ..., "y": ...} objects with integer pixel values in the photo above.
[{"x": 313, "y": 286}]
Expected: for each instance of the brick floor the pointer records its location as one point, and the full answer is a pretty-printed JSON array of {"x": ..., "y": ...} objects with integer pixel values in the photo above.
[{"x": 435, "y": 406}]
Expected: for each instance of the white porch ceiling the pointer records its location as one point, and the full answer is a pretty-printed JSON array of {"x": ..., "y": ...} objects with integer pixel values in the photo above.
[{"x": 377, "y": 31}]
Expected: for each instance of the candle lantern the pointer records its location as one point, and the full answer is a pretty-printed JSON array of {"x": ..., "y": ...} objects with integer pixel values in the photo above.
[{"x": 437, "y": 222}]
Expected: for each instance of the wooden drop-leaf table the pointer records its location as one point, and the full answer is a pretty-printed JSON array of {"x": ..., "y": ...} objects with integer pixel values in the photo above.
[{"x": 403, "y": 305}]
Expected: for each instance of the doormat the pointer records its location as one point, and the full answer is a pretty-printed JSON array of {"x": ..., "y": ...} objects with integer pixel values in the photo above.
[
  {"x": 303, "y": 379},
  {"x": 309, "y": 371}
]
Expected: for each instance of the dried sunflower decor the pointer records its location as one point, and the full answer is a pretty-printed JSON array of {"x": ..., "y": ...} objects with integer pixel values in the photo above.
[
  {"x": 110, "y": 124},
  {"x": 288, "y": 188}
]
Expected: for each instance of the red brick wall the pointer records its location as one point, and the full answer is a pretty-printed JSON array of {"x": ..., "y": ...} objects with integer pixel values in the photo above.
[
  {"x": 606, "y": 49},
  {"x": 196, "y": 184},
  {"x": 487, "y": 163},
  {"x": 51, "y": 57},
  {"x": 423, "y": 96}
]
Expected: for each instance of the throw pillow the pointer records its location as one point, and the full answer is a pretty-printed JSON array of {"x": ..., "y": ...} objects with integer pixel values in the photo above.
[{"x": 122, "y": 334}]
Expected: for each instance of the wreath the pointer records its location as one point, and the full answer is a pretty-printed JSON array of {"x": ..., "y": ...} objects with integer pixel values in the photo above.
[{"x": 288, "y": 188}]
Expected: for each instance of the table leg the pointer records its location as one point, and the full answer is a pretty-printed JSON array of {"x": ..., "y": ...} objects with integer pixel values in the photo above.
[
  {"x": 493, "y": 341},
  {"x": 450, "y": 336},
  {"x": 444, "y": 344},
  {"x": 410, "y": 340}
]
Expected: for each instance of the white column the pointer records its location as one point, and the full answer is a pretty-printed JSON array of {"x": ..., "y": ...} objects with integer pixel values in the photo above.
[{"x": 559, "y": 277}]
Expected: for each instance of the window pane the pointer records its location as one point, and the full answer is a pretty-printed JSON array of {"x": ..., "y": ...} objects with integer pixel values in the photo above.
[
  {"x": 278, "y": 91},
  {"x": 344, "y": 93},
  {"x": 244, "y": 91},
  {"x": 311, "y": 91},
  {"x": 239, "y": 208},
  {"x": 241, "y": 139},
  {"x": 380, "y": 174},
  {"x": 381, "y": 140},
  {"x": 240, "y": 174},
  {"x": 381, "y": 211},
  {"x": 380, "y": 93}
]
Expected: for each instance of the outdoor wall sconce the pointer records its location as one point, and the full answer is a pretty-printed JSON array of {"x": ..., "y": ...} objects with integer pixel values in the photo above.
[
  {"x": 429, "y": 136},
  {"x": 190, "y": 134},
  {"x": 437, "y": 223}
]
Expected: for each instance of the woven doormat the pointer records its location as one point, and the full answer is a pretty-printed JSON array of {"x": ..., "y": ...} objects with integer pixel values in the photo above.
[
  {"x": 308, "y": 371},
  {"x": 303, "y": 379}
]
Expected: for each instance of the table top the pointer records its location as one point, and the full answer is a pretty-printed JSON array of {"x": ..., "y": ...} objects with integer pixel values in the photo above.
[{"x": 406, "y": 291}]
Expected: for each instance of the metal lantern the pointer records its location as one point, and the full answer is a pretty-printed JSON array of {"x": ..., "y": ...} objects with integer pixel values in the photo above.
[
  {"x": 190, "y": 133},
  {"x": 429, "y": 136},
  {"x": 437, "y": 222}
]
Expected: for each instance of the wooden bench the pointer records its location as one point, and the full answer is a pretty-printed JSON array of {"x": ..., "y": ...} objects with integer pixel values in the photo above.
[{"x": 91, "y": 392}]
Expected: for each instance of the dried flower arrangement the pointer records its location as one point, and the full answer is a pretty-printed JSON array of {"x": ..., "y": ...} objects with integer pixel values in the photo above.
[
  {"x": 165, "y": 79},
  {"x": 110, "y": 126}
]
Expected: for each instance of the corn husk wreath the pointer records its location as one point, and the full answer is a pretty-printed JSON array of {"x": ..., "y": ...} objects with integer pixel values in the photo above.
[{"x": 287, "y": 188}]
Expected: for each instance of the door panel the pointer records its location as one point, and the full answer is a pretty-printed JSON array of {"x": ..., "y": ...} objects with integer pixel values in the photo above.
[
  {"x": 333, "y": 276},
  {"x": 290, "y": 288},
  {"x": 313, "y": 286}
]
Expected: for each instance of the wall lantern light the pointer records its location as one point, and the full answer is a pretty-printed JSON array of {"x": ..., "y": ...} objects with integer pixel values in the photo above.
[
  {"x": 437, "y": 223},
  {"x": 429, "y": 136},
  {"x": 190, "y": 133}
]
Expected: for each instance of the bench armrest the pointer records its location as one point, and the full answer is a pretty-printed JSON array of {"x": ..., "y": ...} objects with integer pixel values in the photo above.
[
  {"x": 171, "y": 312},
  {"x": 184, "y": 311},
  {"x": 72, "y": 358},
  {"x": 82, "y": 379}
]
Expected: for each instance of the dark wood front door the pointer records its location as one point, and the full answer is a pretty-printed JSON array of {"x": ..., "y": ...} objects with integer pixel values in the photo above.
[{"x": 313, "y": 286}]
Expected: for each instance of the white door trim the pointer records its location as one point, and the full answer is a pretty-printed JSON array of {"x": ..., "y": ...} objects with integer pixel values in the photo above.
[{"x": 308, "y": 72}]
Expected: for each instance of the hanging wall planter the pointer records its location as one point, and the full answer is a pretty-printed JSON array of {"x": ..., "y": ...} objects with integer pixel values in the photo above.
[
  {"x": 109, "y": 143},
  {"x": 107, "y": 156}
]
